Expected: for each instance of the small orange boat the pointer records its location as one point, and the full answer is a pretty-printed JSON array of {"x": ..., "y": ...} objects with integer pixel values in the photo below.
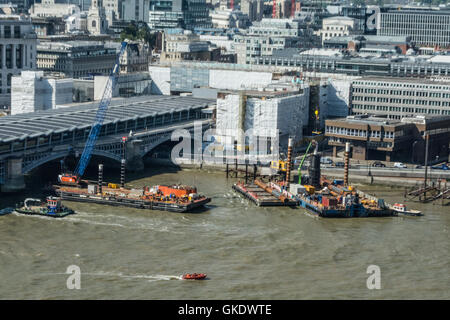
[{"x": 194, "y": 276}]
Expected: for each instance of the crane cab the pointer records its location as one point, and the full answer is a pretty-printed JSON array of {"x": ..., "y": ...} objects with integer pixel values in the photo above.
[
  {"x": 68, "y": 178},
  {"x": 279, "y": 165}
]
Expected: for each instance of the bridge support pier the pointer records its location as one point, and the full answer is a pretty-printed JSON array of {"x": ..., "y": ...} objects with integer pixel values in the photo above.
[
  {"x": 14, "y": 179},
  {"x": 134, "y": 163}
]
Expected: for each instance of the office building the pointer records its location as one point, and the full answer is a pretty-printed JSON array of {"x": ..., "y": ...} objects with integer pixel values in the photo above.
[
  {"x": 187, "y": 14},
  {"x": 76, "y": 59},
  {"x": 18, "y": 51},
  {"x": 396, "y": 99},
  {"x": 337, "y": 27},
  {"x": 254, "y": 9},
  {"x": 374, "y": 138},
  {"x": 426, "y": 27}
]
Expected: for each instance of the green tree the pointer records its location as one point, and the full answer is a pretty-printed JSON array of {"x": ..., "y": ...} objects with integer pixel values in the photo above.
[{"x": 139, "y": 31}]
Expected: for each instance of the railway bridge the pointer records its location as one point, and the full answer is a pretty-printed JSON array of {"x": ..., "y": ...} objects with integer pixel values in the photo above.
[{"x": 29, "y": 140}]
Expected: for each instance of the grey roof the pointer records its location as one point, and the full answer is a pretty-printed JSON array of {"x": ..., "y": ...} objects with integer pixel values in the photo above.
[{"x": 79, "y": 116}]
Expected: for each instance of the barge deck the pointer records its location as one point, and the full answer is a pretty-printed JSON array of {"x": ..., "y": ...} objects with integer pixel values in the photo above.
[
  {"x": 134, "y": 198},
  {"x": 260, "y": 196}
]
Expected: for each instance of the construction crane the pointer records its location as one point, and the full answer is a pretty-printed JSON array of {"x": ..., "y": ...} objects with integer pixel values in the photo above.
[
  {"x": 316, "y": 124},
  {"x": 74, "y": 178},
  {"x": 303, "y": 160}
]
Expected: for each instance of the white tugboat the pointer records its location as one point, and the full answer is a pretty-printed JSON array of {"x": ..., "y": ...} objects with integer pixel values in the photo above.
[{"x": 401, "y": 208}]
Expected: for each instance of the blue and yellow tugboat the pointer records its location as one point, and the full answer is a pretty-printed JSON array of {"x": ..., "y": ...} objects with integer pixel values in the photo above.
[{"x": 51, "y": 208}]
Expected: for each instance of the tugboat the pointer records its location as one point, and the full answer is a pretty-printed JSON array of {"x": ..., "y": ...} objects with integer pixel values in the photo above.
[
  {"x": 193, "y": 276},
  {"x": 52, "y": 208},
  {"x": 401, "y": 208}
]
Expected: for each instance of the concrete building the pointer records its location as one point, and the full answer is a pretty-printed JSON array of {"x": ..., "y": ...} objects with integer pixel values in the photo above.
[
  {"x": 249, "y": 47},
  {"x": 278, "y": 27},
  {"x": 334, "y": 62},
  {"x": 223, "y": 41},
  {"x": 180, "y": 45},
  {"x": 77, "y": 23},
  {"x": 375, "y": 138},
  {"x": 83, "y": 90},
  {"x": 184, "y": 76},
  {"x": 14, "y": 6},
  {"x": 268, "y": 35},
  {"x": 426, "y": 27},
  {"x": 18, "y": 51},
  {"x": 363, "y": 43},
  {"x": 128, "y": 85},
  {"x": 48, "y": 26},
  {"x": 48, "y": 8},
  {"x": 135, "y": 10},
  {"x": 254, "y": 9},
  {"x": 283, "y": 9},
  {"x": 76, "y": 59},
  {"x": 136, "y": 58},
  {"x": 263, "y": 112},
  {"x": 113, "y": 10},
  {"x": 337, "y": 27},
  {"x": 228, "y": 18},
  {"x": 365, "y": 17},
  {"x": 32, "y": 91},
  {"x": 397, "y": 99},
  {"x": 187, "y": 14}
]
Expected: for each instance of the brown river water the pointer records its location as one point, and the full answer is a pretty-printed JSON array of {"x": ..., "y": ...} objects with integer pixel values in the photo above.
[{"x": 247, "y": 252}]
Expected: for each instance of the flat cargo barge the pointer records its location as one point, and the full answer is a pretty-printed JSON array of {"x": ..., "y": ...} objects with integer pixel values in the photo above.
[
  {"x": 262, "y": 195},
  {"x": 334, "y": 200},
  {"x": 174, "y": 198}
]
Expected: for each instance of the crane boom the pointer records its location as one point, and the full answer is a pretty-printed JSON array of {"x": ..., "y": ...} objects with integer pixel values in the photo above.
[
  {"x": 99, "y": 117},
  {"x": 301, "y": 163}
]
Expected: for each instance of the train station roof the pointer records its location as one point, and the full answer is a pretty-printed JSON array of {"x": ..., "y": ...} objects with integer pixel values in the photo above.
[{"x": 82, "y": 115}]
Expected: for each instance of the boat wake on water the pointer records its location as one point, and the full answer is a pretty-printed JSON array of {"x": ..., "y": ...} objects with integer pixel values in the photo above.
[
  {"x": 109, "y": 221},
  {"x": 150, "y": 278}
]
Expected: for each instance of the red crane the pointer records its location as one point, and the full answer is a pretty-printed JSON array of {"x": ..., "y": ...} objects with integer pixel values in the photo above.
[{"x": 274, "y": 9}]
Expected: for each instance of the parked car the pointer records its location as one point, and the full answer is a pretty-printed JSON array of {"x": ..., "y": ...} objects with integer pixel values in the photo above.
[
  {"x": 378, "y": 164},
  {"x": 418, "y": 166},
  {"x": 339, "y": 164},
  {"x": 326, "y": 160},
  {"x": 399, "y": 165},
  {"x": 441, "y": 167}
]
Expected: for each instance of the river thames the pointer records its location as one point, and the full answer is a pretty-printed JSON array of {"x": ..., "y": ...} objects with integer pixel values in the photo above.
[{"x": 247, "y": 252}]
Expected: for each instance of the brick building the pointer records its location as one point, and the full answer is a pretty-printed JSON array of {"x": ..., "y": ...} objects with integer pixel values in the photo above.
[{"x": 375, "y": 138}]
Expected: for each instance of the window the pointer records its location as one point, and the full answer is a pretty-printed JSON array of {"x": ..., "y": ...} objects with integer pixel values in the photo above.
[{"x": 7, "y": 31}]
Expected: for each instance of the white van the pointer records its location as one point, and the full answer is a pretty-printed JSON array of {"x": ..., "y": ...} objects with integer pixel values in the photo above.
[{"x": 399, "y": 165}]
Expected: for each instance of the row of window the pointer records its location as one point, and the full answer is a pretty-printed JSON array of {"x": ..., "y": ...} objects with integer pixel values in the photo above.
[
  {"x": 362, "y": 108},
  {"x": 9, "y": 32},
  {"x": 404, "y": 93},
  {"x": 362, "y": 133},
  {"x": 432, "y": 103},
  {"x": 370, "y": 144}
]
